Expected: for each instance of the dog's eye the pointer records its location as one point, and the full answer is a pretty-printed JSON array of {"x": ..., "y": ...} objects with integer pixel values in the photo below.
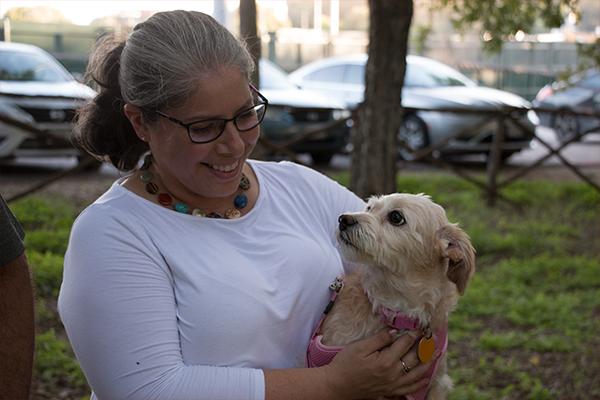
[
  {"x": 368, "y": 209},
  {"x": 397, "y": 218}
]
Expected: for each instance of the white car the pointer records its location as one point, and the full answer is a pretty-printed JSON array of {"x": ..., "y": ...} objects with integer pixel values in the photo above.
[
  {"x": 428, "y": 84},
  {"x": 37, "y": 90}
]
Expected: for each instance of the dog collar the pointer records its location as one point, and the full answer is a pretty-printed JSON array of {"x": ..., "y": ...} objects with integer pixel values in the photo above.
[{"x": 396, "y": 319}]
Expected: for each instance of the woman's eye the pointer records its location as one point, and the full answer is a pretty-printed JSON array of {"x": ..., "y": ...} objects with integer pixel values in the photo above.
[
  {"x": 250, "y": 114},
  {"x": 204, "y": 128},
  {"x": 396, "y": 218}
]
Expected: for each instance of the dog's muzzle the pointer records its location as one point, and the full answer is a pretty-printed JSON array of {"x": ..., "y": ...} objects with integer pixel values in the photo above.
[{"x": 346, "y": 221}]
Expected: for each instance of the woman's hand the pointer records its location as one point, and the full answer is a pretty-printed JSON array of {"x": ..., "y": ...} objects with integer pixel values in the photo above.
[
  {"x": 366, "y": 369},
  {"x": 372, "y": 368}
]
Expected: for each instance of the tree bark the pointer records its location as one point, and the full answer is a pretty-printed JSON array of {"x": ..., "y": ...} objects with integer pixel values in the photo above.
[
  {"x": 375, "y": 151},
  {"x": 249, "y": 32}
]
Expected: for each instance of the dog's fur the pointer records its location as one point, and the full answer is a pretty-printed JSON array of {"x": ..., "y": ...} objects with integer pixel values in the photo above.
[{"x": 414, "y": 261}]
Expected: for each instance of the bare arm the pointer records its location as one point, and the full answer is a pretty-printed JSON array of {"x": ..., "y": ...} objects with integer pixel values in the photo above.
[
  {"x": 359, "y": 371},
  {"x": 17, "y": 338}
]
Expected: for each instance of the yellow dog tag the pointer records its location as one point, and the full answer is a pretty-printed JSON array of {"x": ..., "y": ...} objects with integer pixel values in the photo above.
[{"x": 426, "y": 349}]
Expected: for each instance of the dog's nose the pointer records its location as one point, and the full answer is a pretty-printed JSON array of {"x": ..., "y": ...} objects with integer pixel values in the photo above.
[{"x": 346, "y": 221}]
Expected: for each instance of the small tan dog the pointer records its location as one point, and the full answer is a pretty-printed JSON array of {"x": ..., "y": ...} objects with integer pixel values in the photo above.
[{"x": 414, "y": 262}]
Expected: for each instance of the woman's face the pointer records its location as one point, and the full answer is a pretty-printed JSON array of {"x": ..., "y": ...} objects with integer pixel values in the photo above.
[{"x": 209, "y": 170}]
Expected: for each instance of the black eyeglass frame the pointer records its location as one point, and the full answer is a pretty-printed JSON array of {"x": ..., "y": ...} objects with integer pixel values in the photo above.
[{"x": 264, "y": 100}]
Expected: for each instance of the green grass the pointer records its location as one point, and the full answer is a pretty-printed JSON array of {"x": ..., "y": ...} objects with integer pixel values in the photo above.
[
  {"x": 527, "y": 326},
  {"x": 56, "y": 362}
]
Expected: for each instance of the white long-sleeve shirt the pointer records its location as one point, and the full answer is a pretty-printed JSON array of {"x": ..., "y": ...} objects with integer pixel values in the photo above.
[{"x": 159, "y": 304}]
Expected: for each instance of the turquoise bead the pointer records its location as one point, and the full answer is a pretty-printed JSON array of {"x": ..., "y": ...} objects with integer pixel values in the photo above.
[
  {"x": 241, "y": 200},
  {"x": 182, "y": 208}
]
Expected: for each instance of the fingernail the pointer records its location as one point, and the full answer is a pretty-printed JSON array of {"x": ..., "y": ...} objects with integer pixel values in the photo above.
[{"x": 393, "y": 332}]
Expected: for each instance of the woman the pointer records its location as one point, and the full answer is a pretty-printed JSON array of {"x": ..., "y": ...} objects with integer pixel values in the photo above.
[{"x": 203, "y": 273}]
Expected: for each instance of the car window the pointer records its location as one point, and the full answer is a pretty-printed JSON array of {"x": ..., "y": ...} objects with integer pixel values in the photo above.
[
  {"x": 271, "y": 78},
  {"x": 591, "y": 82},
  {"x": 28, "y": 67},
  {"x": 355, "y": 74},
  {"x": 329, "y": 74},
  {"x": 427, "y": 76}
]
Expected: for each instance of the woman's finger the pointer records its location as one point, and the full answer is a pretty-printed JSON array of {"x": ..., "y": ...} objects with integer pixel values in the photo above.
[
  {"x": 419, "y": 370},
  {"x": 400, "y": 347},
  {"x": 381, "y": 340},
  {"x": 411, "y": 359}
]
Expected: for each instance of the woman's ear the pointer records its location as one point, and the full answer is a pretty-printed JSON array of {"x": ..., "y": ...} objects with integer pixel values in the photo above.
[{"x": 134, "y": 114}]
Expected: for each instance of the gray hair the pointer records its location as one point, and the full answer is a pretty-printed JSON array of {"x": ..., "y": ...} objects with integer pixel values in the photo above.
[
  {"x": 166, "y": 56},
  {"x": 157, "y": 67}
]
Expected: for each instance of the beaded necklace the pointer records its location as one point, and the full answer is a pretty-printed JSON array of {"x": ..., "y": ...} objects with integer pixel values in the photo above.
[{"x": 166, "y": 200}]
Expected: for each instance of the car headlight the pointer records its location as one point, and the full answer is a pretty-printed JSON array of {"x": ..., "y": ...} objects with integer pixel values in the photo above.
[
  {"x": 533, "y": 117},
  {"x": 341, "y": 114}
]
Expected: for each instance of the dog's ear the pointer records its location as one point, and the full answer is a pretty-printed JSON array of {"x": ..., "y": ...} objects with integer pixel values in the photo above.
[{"x": 456, "y": 247}]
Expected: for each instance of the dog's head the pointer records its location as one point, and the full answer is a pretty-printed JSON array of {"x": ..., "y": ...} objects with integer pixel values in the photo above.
[{"x": 408, "y": 236}]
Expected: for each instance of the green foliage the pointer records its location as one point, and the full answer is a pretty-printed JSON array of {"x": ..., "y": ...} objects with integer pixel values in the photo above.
[
  {"x": 419, "y": 39},
  {"x": 43, "y": 240},
  {"x": 36, "y": 212},
  {"x": 497, "y": 20},
  {"x": 47, "y": 272},
  {"x": 55, "y": 360}
]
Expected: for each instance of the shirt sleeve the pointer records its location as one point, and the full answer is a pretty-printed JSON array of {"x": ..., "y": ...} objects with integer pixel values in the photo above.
[
  {"x": 11, "y": 234},
  {"x": 118, "y": 306}
]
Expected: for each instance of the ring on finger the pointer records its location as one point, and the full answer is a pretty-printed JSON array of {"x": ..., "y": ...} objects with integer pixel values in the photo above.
[{"x": 406, "y": 367}]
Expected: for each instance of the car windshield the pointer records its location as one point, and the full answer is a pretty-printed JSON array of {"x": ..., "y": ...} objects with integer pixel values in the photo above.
[
  {"x": 16, "y": 66},
  {"x": 433, "y": 75}
]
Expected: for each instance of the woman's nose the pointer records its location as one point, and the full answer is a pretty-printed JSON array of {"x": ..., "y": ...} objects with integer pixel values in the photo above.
[{"x": 231, "y": 141}]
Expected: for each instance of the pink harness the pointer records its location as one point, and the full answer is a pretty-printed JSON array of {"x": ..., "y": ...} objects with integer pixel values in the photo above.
[{"x": 319, "y": 354}]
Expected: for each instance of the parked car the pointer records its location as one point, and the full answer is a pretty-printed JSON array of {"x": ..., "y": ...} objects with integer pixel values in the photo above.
[
  {"x": 293, "y": 112},
  {"x": 36, "y": 90},
  {"x": 558, "y": 102},
  {"x": 428, "y": 84}
]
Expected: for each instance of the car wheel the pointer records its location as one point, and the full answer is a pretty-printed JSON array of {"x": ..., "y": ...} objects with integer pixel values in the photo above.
[
  {"x": 414, "y": 133},
  {"x": 321, "y": 158},
  {"x": 565, "y": 125}
]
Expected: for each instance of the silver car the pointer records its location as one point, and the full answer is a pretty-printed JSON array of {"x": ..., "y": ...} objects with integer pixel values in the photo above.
[
  {"x": 558, "y": 103},
  {"x": 428, "y": 84},
  {"x": 37, "y": 91}
]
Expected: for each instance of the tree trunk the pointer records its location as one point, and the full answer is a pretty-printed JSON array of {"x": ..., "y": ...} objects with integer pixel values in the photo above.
[
  {"x": 375, "y": 151},
  {"x": 249, "y": 32}
]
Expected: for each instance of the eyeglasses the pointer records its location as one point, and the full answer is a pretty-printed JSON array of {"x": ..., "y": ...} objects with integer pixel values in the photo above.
[{"x": 210, "y": 129}]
